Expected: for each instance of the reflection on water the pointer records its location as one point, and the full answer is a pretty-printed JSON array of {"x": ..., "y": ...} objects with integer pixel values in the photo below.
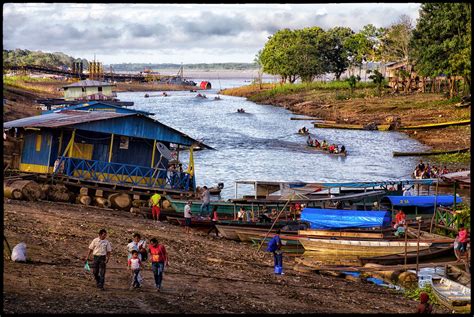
[{"x": 262, "y": 144}]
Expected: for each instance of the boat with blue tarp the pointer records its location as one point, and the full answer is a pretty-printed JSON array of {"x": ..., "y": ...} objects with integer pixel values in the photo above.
[{"x": 415, "y": 205}]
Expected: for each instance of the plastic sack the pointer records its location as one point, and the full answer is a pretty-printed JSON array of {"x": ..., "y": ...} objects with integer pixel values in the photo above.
[
  {"x": 19, "y": 252},
  {"x": 87, "y": 267}
]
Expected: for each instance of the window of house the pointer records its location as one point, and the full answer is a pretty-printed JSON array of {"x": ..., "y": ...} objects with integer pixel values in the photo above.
[{"x": 100, "y": 88}]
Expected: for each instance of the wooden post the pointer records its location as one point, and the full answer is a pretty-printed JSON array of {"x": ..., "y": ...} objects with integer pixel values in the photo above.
[
  {"x": 406, "y": 242},
  {"x": 71, "y": 143},
  {"x": 418, "y": 246},
  {"x": 153, "y": 154},
  {"x": 435, "y": 206},
  {"x": 60, "y": 142},
  {"x": 111, "y": 146}
]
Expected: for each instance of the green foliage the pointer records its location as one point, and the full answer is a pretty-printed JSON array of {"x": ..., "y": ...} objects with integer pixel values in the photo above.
[
  {"x": 463, "y": 215},
  {"x": 395, "y": 42},
  {"x": 139, "y": 67},
  {"x": 352, "y": 81},
  {"x": 378, "y": 79},
  {"x": 453, "y": 158},
  {"x": 21, "y": 57},
  {"x": 441, "y": 41},
  {"x": 414, "y": 293}
]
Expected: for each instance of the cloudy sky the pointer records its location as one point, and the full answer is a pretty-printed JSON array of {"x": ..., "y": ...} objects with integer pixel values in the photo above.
[{"x": 176, "y": 33}]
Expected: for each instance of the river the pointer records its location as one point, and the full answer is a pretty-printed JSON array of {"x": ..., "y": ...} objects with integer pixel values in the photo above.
[{"x": 262, "y": 143}]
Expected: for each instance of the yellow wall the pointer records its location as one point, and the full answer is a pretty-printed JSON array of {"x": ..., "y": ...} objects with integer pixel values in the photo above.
[{"x": 35, "y": 168}]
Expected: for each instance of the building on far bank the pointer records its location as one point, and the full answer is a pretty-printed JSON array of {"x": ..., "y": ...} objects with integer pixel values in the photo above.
[{"x": 89, "y": 90}]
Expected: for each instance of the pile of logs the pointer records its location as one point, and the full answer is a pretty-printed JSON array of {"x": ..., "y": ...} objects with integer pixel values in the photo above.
[
  {"x": 465, "y": 102},
  {"x": 22, "y": 189}
]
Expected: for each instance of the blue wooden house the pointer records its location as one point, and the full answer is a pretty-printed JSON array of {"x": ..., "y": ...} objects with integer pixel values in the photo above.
[{"x": 107, "y": 147}]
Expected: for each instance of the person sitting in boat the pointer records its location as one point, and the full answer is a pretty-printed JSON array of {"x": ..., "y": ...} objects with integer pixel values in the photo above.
[
  {"x": 400, "y": 219},
  {"x": 309, "y": 141},
  {"x": 165, "y": 94},
  {"x": 331, "y": 148},
  {"x": 336, "y": 148},
  {"x": 445, "y": 170},
  {"x": 316, "y": 144},
  {"x": 240, "y": 214},
  {"x": 324, "y": 145},
  {"x": 343, "y": 149}
]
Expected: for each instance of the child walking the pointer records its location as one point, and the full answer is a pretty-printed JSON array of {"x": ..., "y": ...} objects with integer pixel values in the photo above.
[{"x": 135, "y": 265}]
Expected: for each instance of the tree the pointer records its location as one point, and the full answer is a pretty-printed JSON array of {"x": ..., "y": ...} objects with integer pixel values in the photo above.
[
  {"x": 353, "y": 81},
  {"x": 337, "y": 53},
  {"x": 277, "y": 56},
  {"x": 441, "y": 41},
  {"x": 396, "y": 39}
]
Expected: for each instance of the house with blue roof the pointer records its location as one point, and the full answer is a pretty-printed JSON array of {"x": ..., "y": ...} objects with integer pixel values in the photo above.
[{"x": 116, "y": 148}]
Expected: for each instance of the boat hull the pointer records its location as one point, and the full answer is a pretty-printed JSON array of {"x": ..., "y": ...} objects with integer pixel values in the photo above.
[
  {"x": 360, "y": 247},
  {"x": 452, "y": 295}
]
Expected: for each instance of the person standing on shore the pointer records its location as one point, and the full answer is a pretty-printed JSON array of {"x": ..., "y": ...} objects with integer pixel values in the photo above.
[
  {"x": 159, "y": 259},
  {"x": 187, "y": 216},
  {"x": 274, "y": 246},
  {"x": 135, "y": 266},
  {"x": 155, "y": 207},
  {"x": 424, "y": 307},
  {"x": 462, "y": 239},
  {"x": 101, "y": 249},
  {"x": 214, "y": 221},
  {"x": 206, "y": 200}
]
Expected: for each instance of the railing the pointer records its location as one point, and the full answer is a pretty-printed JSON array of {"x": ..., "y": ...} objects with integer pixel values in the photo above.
[{"x": 123, "y": 174}]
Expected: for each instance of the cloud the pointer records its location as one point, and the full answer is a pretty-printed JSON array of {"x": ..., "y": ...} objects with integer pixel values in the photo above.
[{"x": 166, "y": 32}]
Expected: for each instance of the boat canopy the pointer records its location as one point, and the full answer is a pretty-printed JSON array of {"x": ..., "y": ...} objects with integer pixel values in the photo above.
[
  {"x": 421, "y": 201},
  {"x": 339, "y": 218}
]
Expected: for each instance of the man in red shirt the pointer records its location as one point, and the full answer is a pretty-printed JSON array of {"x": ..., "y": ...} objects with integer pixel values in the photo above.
[
  {"x": 158, "y": 258},
  {"x": 400, "y": 219}
]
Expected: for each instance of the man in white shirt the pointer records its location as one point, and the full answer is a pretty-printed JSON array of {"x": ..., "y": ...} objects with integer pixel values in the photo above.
[{"x": 100, "y": 248}]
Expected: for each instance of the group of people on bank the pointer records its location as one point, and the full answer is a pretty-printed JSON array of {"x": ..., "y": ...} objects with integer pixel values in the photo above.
[
  {"x": 423, "y": 170},
  {"x": 139, "y": 252}
]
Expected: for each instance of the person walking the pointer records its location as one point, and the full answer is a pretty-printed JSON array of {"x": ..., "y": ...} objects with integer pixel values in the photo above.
[
  {"x": 101, "y": 249},
  {"x": 155, "y": 207},
  {"x": 462, "y": 239},
  {"x": 206, "y": 200},
  {"x": 274, "y": 246},
  {"x": 135, "y": 266},
  {"x": 138, "y": 245},
  {"x": 159, "y": 259},
  {"x": 187, "y": 216}
]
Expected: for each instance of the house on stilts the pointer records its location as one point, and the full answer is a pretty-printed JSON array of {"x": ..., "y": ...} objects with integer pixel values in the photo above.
[{"x": 123, "y": 149}]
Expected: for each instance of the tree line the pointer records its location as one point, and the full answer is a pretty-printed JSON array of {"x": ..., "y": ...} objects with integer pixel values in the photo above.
[
  {"x": 438, "y": 45},
  {"x": 20, "y": 57}
]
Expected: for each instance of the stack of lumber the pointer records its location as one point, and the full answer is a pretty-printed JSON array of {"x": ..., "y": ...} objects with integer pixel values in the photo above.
[{"x": 22, "y": 189}]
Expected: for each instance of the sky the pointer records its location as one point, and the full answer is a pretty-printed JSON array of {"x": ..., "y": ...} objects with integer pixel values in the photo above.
[{"x": 177, "y": 33}]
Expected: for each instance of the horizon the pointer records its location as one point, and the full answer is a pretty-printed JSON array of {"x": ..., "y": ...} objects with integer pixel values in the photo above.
[{"x": 187, "y": 33}]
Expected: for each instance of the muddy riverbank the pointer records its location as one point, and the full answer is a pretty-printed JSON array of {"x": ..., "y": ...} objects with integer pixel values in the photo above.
[{"x": 206, "y": 274}]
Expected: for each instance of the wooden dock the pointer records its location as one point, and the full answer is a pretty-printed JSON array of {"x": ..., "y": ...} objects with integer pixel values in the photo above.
[
  {"x": 431, "y": 153},
  {"x": 436, "y": 125}
]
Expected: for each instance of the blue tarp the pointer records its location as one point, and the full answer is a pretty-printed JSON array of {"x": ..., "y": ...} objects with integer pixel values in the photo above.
[
  {"x": 422, "y": 201},
  {"x": 338, "y": 218}
]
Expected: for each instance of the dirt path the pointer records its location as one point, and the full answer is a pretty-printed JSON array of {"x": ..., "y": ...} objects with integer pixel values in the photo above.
[{"x": 206, "y": 274}]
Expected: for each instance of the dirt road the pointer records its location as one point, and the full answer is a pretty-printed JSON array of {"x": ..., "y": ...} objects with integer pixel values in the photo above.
[{"x": 206, "y": 274}]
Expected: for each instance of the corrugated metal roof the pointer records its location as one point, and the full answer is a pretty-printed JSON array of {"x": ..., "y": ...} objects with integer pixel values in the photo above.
[
  {"x": 93, "y": 105},
  {"x": 89, "y": 83},
  {"x": 63, "y": 118},
  {"x": 134, "y": 125}
]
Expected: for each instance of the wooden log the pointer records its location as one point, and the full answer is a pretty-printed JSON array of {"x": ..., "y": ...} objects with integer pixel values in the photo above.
[
  {"x": 99, "y": 193},
  {"x": 120, "y": 201},
  {"x": 102, "y": 202},
  {"x": 166, "y": 204},
  {"x": 59, "y": 196},
  {"x": 136, "y": 197},
  {"x": 84, "y": 191},
  {"x": 13, "y": 193},
  {"x": 30, "y": 189},
  {"x": 84, "y": 200},
  {"x": 139, "y": 203}
]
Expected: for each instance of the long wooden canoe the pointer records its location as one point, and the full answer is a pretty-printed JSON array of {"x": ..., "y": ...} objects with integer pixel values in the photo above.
[
  {"x": 230, "y": 231},
  {"x": 312, "y": 148},
  {"x": 361, "y": 247},
  {"x": 452, "y": 295},
  {"x": 436, "y": 125},
  {"x": 381, "y": 127},
  {"x": 431, "y": 153},
  {"x": 434, "y": 251}
]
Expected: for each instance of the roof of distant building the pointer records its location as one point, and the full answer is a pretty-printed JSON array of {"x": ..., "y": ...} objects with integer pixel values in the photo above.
[{"x": 89, "y": 83}]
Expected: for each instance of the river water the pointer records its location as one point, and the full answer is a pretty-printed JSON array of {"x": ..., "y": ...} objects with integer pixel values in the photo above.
[{"x": 262, "y": 143}]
